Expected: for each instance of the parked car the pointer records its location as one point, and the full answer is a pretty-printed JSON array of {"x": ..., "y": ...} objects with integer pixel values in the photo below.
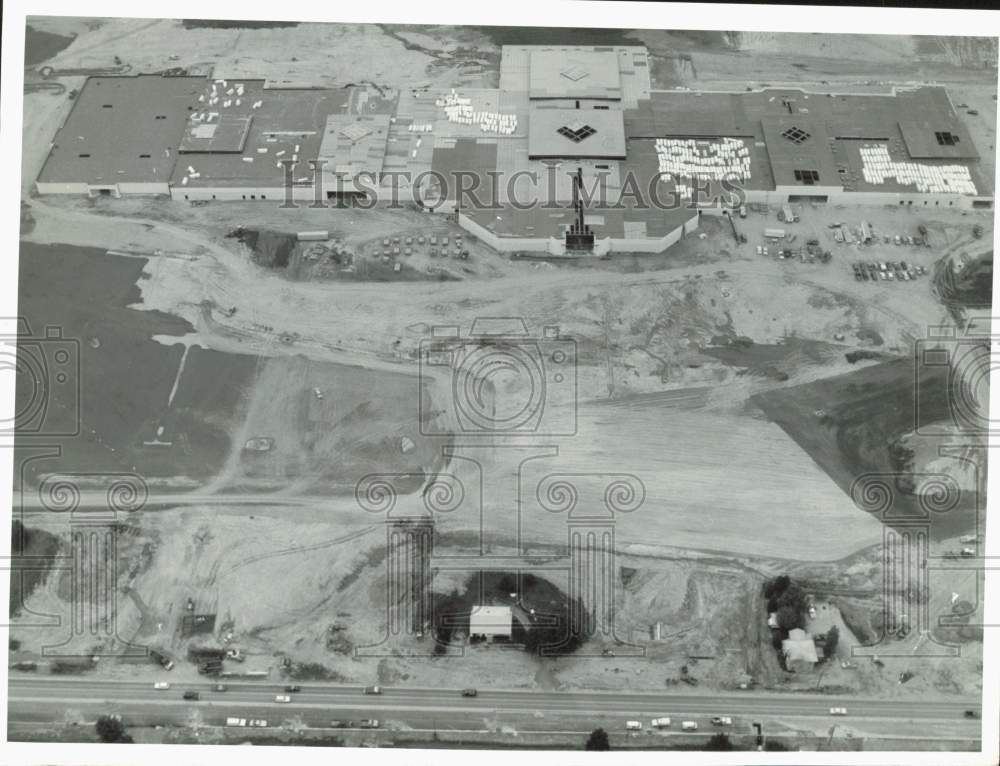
[
  {"x": 373, "y": 690},
  {"x": 161, "y": 685},
  {"x": 192, "y": 696},
  {"x": 292, "y": 688},
  {"x": 282, "y": 698},
  {"x": 469, "y": 692},
  {"x": 838, "y": 711}
]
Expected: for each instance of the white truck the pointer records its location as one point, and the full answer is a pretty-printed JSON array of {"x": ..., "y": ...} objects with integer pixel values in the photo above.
[
  {"x": 774, "y": 233},
  {"x": 633, "y": 725},
  {"x": 689, "y": 726},
  {"x": 236, "y": 722},
  {"x": 660, "y": 723}
]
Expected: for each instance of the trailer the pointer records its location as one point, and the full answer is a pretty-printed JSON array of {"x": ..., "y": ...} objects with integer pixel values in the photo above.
[
  {"x": 313, "y": 236},
  {"x": 774, "y": 233}
]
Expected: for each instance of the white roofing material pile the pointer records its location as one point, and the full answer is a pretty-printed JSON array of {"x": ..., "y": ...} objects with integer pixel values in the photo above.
[
  {"x": 460, "y": 110},
  {"x": 686, "y": 158},
  {"x": 877, "y": 166}
]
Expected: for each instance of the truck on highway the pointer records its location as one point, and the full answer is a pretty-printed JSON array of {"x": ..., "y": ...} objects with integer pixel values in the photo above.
[
  {"x": 282, "y": 698},
  {"x": 689, "y": 726},
  {"x": 232, "y": 721},
  {"x": 633, "y": 726},
  {"x": 368, "y": 723},
  {"x": 373, "y": 690},
  {"x": 660, "y": 723},
  {"x": 722, "y": 720}
]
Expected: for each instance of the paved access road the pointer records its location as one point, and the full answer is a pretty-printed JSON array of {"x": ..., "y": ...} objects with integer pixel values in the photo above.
[{"x": 37, "y": 699}]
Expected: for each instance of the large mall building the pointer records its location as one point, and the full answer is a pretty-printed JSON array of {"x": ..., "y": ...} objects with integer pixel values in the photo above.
[{"x": 574, "y": 149}]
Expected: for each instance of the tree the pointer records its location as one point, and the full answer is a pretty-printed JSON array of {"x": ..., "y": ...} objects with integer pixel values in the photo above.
[
  {"x": 832, "y": 638},
  {"x": 789, "y": 617},
  {"x": 111, "y": 729},
  {"x": 719, "y": 742},
  {"x": 598, "y": 740}
]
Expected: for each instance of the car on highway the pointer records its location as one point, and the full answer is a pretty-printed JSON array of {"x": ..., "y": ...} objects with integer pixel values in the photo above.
[
  {"x": 838, "y": 711},
  {"x": 292, "y": 688},
  {"x": 368, "y": 723},
  {"x": 220, "y": 688},
  {"x": 161, "y": 685},
  {"x": 722, "y": 720},
  {"x": 259, "y": 723},
  {"x": 373, "y": 690},
  {"x": 469, "y": 692},
  {"x": 192, "y": 696},
  {"x": 282, "y": 698}
]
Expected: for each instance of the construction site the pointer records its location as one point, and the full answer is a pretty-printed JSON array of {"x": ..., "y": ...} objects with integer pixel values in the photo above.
[{"x": 435, "y": 444}]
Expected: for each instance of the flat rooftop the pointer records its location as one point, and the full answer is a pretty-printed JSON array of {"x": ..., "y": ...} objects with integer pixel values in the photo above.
[
  {"x": 289, "y": 124},
  {"x": 572, "y": 72},
  {"x": 813, "y": 139},
  {"x": 122, "y": 130},
  {"x": 568, "y": 132}
]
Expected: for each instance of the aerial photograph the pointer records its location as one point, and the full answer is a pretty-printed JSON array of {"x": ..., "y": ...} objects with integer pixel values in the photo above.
[{"x": 500, "y": 388}]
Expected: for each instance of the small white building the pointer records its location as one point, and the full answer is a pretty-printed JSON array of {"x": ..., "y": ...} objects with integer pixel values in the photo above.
[{"x": 490, "y": 622}]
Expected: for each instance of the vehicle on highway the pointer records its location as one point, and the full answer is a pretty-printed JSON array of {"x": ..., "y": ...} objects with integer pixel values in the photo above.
[
  {"x": 236, "y": 721},
  {"x": 220, "y": 688},
  {"x": 260, "y": 723},
  {"x": 292, "y": 688},
  {"x": 838, "y": 711},
  {"x": 660, "y": 723},
  {"x": 282, "y": 698},
  {"x": 633, "y": 725},
  {"x": 722, "y": 720},
  {"x": 341, "y": 724},
  {"x": 689, "y": 726},
  {"x": 469, "y": 692},
  {"x": 971, "y": 714},
  {"x": 161, "y": 685},
  {"x": 192, "y": 695},
  {"x": 368, "y": 723},
  {"x": 373, "y": 690}
]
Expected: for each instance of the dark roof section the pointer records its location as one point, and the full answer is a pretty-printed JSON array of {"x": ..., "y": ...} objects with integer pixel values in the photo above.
[{"x": 122, "y": 130}]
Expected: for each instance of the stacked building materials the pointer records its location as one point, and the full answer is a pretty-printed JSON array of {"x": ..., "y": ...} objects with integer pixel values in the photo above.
[
  {"x": 878, "y": 167},
  {"x": 687, "y": 158},
  {"x": 461, "y": 111}
]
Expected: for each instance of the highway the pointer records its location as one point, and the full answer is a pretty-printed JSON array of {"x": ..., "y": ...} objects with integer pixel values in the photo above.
[{"x": 39, "y": 699}]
